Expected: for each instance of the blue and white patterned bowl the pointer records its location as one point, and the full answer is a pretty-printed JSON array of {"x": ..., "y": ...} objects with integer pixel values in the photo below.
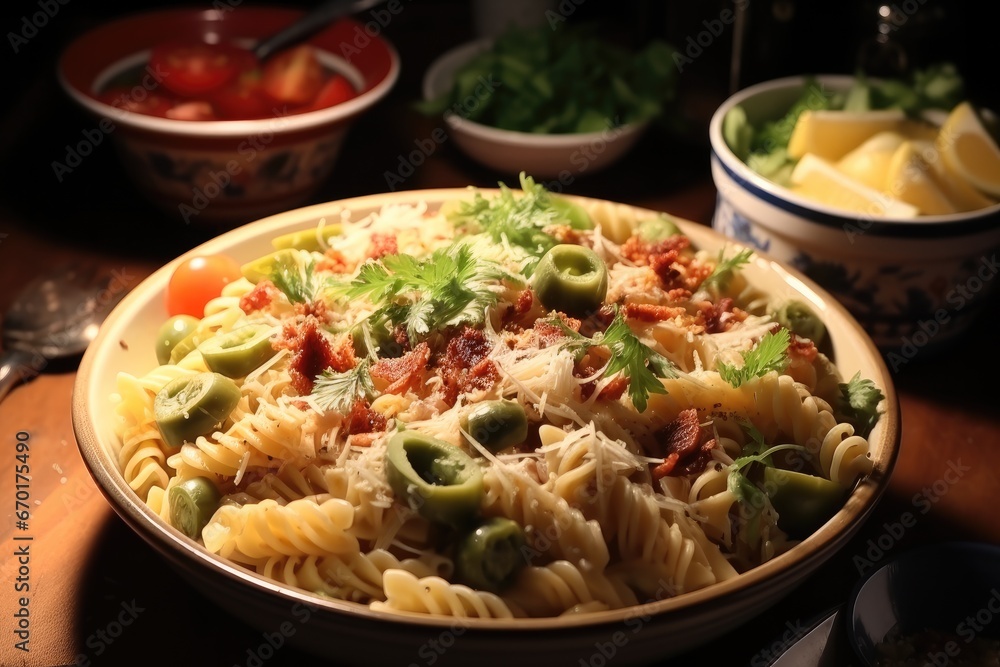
[{"x": 914, "y": 284}]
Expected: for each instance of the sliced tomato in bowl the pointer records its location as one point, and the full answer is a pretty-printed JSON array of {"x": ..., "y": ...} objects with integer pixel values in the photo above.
[
  {"x": 243, "y": 99},
  {"x": 335, "y": 91},
  {"x": 150, "y": 104},
  {"x": 294, "y": 76},
  {"x": 193, "y": 68}
]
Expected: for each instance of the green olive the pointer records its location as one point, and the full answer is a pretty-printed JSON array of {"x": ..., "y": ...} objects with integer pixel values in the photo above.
[
  {"x": 497, "y": 425},
  {"x": 189, "y": 344},
  {"x": 237, "y": 352},
  {"x": 173, "y": 331},
  {"x": 192, "y": 504},
  {"x": 306, "y": 239},
  {"x": 572, "y": 213},
  {"x": 264, "y": 267},
  {"x": 489, "y": 557},
  {"x": 803, "y": 502},
  {"x": 194, "y": 405},
  {"x": 572, "y": 279},
  {"x": 660, "y": 228},
  {"x": 436, "y": 479},
  {"x": 800, "y": 319}
]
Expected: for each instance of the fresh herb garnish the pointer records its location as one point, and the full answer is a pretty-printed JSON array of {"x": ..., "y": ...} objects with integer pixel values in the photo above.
[
  {"x": 630, "y": 356},
  {"x": 744, "y": 490},
  {"x": 338, "y": 391},
  {"x": 450, "y": 287},
  {"x": 858, "y": 402},
  {"x": 770, "y": 354},
  {"x": 725, "y": 267},
  {"x": 296, "y": 279}
]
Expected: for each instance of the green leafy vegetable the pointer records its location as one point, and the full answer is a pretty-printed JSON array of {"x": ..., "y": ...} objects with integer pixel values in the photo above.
[
  {"x": 858, "y": 402},
  {"x": 740, "y": 484},
  {"x": 642, "y": 365},
  {"x": 560, "y": 79},
  {"x": 297, "y": 280},
  {"x": 724, "y": 268},
  {"x": 770, "y": 354},
  {"x": 338, "y": 391},
  {"x": 449, "y": 288}
]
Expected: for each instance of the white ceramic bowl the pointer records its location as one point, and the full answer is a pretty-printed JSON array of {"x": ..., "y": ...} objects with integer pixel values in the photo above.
[
  {"x": 221, "y": 171},
  {"x": 914, "y": 284},
  {"x": 353, "y": 634},
  {"x": 561, "y": 157}
]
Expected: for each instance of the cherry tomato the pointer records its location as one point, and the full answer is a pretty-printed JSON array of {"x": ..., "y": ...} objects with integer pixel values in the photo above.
[
  {"x": 293, "y": 76},
  {"x": 192, "y": 68},
  {"x": 242, "y": 99},
  {"x": 197, "y": 281},
  {"x": 336, "y": 90},
  {"x": 151, "y": 104}
]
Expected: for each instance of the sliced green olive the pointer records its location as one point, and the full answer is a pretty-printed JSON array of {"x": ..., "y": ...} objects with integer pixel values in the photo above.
[
  {"x": 264, "y": 267},
  {"x": 194, "y": 405},
  {"x": 800, "y": 319},
  {"x": 237, "y": 352},
  {"x": 803, "y": 502},
  {"x": 306, "y": 239},
  {"x": 436, "y": 479},
  {"x": 489, "y": 557},
  {"x": 497, "y": 425},
  {"x": 575, "y": 215},
  {"x": 173, "y": 331},
  {"x": 660, "y": 228},
  {"x": 572, "y": 279},
  {"x": 192, "y": 504},
  {"x": 189, "y": 344}
]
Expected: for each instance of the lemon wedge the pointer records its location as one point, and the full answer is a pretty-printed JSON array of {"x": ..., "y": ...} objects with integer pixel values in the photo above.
[
  {"x": 911, "y": 179},
  {"x": 833, "y": 134},
  {"x": 869, "y": 162},
  {"x": 821, "y": 181},
  {"x": 958, "y": 190},
  {"x": 969, "y": 150}
]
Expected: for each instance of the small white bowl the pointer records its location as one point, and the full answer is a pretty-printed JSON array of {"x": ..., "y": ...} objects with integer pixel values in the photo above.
[
  {"x": 547, "y": 156},
  {"x": 914, "y": 284}
]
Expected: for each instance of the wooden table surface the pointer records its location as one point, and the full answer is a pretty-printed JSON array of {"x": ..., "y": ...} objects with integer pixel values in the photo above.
[{"x": 100, "y": 595}]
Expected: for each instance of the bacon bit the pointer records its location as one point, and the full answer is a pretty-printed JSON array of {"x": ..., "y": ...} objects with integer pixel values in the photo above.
[
  {"x": 651, "y": 312},
  {"x": 402, "y": 373},
  {"x": 613, "y": 390},
  {"x": 679, "y": 294},
  {"x": 318, "y": 309},
  {"x": 550, "y": 334},
  {"x": 362, "y": 419},
  {"x": 464, "y": 365},
  {"x": 686, "y": 451},
  {"x": 719, "y": 317},
  {"x": 259, "y": 297},
  {"x": 563, "y": 234},
  {"x": 382, "y": 245},
  {"x": 642, "y": 252},
  {"x": 802, "y": 348},
  {"x": 312, "y": 353},
  {"x": 334, "y": 262},
  {"x": 524, "y": 302}
]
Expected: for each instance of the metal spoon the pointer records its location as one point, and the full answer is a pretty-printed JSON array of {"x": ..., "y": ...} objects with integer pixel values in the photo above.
[
  {"x": 310, "y": 24},
  {"x": 54, "y": 317}
]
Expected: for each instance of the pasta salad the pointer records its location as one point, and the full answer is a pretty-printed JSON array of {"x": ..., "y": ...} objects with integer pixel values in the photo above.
[{"x": 514, "y": 405}]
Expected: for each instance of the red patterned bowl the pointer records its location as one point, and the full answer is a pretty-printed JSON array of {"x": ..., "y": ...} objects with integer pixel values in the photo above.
[{"x": 221, "y": 171}]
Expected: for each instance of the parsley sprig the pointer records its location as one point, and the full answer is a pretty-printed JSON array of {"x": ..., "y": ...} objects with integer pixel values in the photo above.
[
  {"x": 517, "y": 218},
  {"x": 451, "y": 287},
  {"x": 642, "y": 365},
  {"x": 725, "y": 267},
  {"x": 858, "y": 402},
  {"x": 338, "y": 391},
  {"x": 770, "y": 354}
]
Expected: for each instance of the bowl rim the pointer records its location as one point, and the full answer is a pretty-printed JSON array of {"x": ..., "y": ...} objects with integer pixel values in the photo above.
[
  {"x": 966, "y": 223},
  {"x": 372, "y": 92},
  {"x": 446, "y": 62},
  {"x": 860, "y": 504}
]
